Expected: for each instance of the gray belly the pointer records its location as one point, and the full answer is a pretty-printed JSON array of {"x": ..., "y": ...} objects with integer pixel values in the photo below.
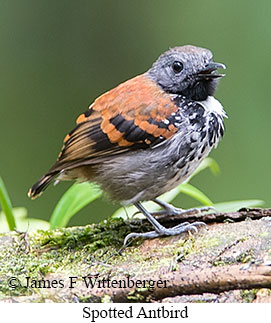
[{"x": 146, "y": 174}]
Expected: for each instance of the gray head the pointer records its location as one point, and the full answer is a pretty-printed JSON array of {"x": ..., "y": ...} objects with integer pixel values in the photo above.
[{"x": 187, "y": 70}]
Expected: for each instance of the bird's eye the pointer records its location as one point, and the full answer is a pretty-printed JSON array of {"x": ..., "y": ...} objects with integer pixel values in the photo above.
[{"x": 177, "y": 67}]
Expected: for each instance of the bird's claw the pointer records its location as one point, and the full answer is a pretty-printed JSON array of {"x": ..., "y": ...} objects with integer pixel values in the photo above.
[{"x": 178, "y": 229}]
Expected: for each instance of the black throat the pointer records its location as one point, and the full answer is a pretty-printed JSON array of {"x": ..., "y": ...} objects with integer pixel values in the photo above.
[{"x": 200, "y": 90}]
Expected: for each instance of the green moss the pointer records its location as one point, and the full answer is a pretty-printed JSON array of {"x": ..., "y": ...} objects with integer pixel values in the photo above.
[
  {"x": 62, "y": 250},
  {"x": 106, "y": 299},
  {"x": 245, "y": 257},
  {"x": 248, "y": 295},
  {"x": 78, "y": 251},
  {"x": 212, "y": 242},
  {"x": 137, "y": 295}
]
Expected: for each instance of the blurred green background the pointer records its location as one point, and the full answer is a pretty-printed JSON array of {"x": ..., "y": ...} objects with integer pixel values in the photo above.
[{"x": 56, "y": 57}]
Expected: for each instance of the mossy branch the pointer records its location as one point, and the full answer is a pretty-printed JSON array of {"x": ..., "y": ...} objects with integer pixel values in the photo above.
[{"x": 221, "y": 257}]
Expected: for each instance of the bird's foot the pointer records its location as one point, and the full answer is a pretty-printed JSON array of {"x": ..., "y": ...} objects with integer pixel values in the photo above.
[
  {"x": 178, "y": 229},
  {"x": 170, "y": 210}
]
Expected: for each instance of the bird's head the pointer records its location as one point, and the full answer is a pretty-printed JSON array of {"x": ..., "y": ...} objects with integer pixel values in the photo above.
[{"x": 188, "y": 71}]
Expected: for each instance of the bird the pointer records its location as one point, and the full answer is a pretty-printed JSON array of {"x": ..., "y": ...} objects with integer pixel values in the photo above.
[{"x": 147, "y": 135}]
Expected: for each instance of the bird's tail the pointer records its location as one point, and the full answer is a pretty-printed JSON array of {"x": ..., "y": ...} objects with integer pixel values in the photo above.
[{"x": 38, "y": 188}]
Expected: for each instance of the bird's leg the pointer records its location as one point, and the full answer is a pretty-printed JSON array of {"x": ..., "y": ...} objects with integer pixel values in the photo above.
[
  {"x": 172, "y": 210},
  {"x": 160, "y": 230}
]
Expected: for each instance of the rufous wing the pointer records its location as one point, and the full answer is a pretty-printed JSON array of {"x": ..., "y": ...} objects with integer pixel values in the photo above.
[{"x": 134, "y": 115}]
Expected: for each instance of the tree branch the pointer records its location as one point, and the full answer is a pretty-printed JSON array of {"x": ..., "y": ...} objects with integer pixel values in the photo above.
[
  {"x": 219, "y": 258},
  {"x": 212, "y": 280},
  {"x": 242, "y": 214}
]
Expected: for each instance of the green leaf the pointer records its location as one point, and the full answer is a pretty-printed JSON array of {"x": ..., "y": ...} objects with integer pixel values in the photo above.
[
  {"x": 6, "y": 206},
  {"x": 192, "y": 191},
  {"x": 236, "y": 205},
  {"x": 23, "y": 223},
  {"x": 206, "y": 163},
  {"x": 72, "y": 201}
]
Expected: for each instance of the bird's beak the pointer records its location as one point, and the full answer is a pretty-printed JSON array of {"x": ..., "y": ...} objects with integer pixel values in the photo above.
[{"x": 209, "y": 71}]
